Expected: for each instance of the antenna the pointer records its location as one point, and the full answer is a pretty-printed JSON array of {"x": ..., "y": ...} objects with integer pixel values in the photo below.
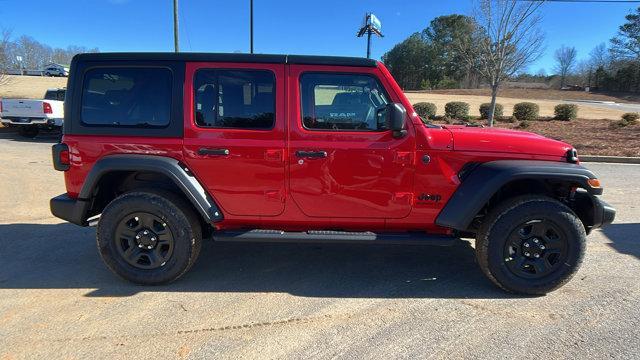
[{"x": 370, "y": 25}]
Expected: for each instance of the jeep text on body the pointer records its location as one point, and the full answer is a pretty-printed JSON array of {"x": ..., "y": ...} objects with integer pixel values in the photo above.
[{"x": 162, "y": 150}]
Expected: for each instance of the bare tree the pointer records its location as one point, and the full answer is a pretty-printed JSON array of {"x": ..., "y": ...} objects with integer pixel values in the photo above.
[
  {"x": 599, "y": 60},
  {"x": 599, "y": 56},
  {"x": 5, "y": 42},
  {"x": 506, "y": 40},
  {"x": 566, "y": 60}
]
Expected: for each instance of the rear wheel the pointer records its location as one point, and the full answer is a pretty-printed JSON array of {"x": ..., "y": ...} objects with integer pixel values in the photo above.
[
  {"x": 531, "y": 245},
  {"x": 149, "y": 236}
]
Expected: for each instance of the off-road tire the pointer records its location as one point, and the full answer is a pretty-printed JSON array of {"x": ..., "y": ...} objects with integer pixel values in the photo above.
[
  {"x": 504, "y": 219},
  {"x": 179, "y": 217}
]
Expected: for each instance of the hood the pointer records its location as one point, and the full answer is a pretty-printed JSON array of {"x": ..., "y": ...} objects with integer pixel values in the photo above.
[{"x": 487, "y": 139}]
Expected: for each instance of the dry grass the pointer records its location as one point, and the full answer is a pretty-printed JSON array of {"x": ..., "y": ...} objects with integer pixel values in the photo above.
[
  {"x": 546, "y": 106},
  {"x": 543, "y": 94},
  {"x": 29, "y": 87}
]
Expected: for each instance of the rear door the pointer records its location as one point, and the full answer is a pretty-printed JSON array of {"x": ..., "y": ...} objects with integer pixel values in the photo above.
[
  {"x": 344, "y": 161},
  {"x": 234, "y": 138}
]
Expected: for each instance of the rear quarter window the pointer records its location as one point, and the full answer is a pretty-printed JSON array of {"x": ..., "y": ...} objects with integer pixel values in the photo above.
[
  {"x": 126, "y": 97},
  {"x": 54, "y": 95}
]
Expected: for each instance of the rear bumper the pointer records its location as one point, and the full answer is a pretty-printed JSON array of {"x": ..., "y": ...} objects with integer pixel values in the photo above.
[
  {"x": 32, "y": 121},
  {"x": 68, "y": 209}
]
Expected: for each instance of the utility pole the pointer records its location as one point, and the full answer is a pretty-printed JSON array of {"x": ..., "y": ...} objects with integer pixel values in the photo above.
[
  {"x": 175, "y": 26},
  {"x": 251, "y": 25},
  {"x": 371, "y": 25},
  {"x": 369, "y": 44}
]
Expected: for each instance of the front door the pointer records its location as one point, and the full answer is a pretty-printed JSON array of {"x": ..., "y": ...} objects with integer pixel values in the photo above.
[
  {"x": 234, "y": 137},
  {"x": 344, "y": 161}
]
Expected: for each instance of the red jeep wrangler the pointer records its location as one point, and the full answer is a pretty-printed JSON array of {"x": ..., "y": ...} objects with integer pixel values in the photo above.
[{"x": 163, "y": 150}]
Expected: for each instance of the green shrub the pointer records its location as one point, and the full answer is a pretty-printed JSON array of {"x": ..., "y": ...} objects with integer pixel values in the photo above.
[
  {"x": 566, "y": 112},
  {"x": 485, "y": 109},
  {"x": 631, "y": 118},
  {"x": 524, "y": 124},
  {"x": 456, "y": 110},
  {"x": 425, "y": 84},
  {"x": 425, "y": 110},
  {"x": 526, "y": 111},
  {"x": 447, "y": 83}
]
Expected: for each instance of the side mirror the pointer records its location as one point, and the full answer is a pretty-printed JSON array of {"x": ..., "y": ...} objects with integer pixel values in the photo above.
[{"x": 396, "y": 118}]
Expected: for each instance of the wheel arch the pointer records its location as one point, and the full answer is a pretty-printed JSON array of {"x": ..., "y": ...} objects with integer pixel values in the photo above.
[
  {"x": 491, "y": 182},
  {"x": 115, "y": 174}
]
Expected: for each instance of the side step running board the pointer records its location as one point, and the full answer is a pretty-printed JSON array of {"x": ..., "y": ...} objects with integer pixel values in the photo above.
[{"x": 408, "y": 238}]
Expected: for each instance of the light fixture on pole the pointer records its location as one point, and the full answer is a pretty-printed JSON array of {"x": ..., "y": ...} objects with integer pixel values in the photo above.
[{"x": 371, "y": 25}]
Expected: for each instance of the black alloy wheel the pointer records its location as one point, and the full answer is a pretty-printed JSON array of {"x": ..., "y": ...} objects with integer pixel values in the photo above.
[
  {"x": 535, "y": 249},
  {"x": 144, "y": 240}
]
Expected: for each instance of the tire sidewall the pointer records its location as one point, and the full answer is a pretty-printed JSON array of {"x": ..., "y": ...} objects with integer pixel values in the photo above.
[
  {"x": 512, "y": 217},
  {"x": 178, "y": 223}
]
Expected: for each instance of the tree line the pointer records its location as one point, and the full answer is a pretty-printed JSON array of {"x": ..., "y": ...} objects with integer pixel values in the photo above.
[
  {"x": 434, "y": 58},
  {"x": 613, "y": 66},
  {"x": 500, "y": 40},
  {"x": 35, "y": 55}
]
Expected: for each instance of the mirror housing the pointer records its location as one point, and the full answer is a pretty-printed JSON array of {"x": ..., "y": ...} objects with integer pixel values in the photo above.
[{"x": 396, "y": 119}]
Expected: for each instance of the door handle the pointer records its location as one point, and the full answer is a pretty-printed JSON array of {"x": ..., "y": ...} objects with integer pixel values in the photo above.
[
  {"x": 311, "y": 154},
  {"x": 215, "y": 152}
]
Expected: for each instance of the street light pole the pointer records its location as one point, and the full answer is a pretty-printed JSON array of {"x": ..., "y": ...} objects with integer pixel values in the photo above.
[
  {"x": 175, "y": 26},
  {"x": 369, "y": 44},
  {"x": 251, "y": 25}
]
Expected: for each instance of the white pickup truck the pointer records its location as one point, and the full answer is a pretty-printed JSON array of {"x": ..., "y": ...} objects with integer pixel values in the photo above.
[{"x": 30, "y": 116}]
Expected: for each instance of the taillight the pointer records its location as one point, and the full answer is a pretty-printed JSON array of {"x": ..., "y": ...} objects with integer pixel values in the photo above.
[
  {"x": 0, "y": 106},
  {"x": 46, "y": 107},
  {"x": 61, "y": 157}
]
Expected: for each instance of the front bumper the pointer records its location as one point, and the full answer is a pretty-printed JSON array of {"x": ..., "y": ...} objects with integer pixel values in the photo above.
[
  {"x": 69, "y": 209},
  {"x": 593, "y": 212},
  {"x": 603, "y": 214}
]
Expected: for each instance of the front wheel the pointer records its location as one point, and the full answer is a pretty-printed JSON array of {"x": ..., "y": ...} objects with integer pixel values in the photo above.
[
  {"x": 531, "y": 245},
  {"x": 149, "y": 237}
]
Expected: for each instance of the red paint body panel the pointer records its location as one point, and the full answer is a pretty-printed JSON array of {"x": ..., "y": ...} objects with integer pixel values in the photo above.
[
  {"x": 85, "y": 150},
  {"x": 250, "y": 181},
  {"x": 368, "y": 181},
  {"x": 365, "y": 175}
]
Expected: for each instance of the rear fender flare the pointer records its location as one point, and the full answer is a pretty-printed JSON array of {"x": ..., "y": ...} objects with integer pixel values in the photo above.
[{"x": 179, "y": 174}]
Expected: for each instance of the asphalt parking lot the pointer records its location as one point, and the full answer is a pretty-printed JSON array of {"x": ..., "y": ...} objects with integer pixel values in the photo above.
[{"x": 57, "y": 299}]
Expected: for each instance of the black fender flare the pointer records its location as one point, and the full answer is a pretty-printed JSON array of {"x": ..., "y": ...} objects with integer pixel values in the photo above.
[
  {"x": 181, "y": 176},
  {"x": 483, "y": 181}
]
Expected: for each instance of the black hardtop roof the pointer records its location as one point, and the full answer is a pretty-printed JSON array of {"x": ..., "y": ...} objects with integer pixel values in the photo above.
[{"x": 228, "y": 57}]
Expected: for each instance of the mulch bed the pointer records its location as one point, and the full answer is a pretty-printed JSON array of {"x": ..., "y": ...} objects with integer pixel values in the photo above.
[{"x": 589, "y": 137}]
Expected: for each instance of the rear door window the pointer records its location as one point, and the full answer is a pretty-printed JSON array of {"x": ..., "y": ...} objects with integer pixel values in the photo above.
[
  {"x": 240, "y": 99},
  {"x": 342, "y": 102},
  {"x": 127, "y": 97}
]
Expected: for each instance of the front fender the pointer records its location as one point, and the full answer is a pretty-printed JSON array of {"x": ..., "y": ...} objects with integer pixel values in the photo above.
[{"x": 481, "y": 183}]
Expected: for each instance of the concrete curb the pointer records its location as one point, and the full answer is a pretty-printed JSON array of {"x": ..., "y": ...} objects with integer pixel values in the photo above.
[
  {"x": 592, "y": 101},
  {"x": 609, "y": 159}
]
